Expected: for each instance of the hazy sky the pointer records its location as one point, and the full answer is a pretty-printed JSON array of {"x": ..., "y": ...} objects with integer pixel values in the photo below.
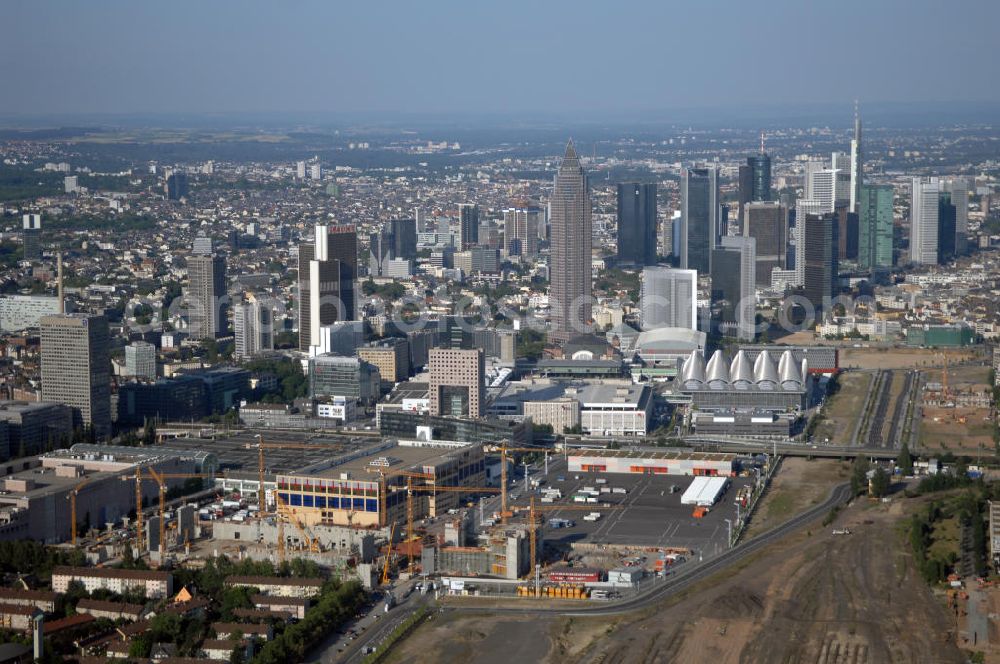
[{"x": 504, "y": 56}]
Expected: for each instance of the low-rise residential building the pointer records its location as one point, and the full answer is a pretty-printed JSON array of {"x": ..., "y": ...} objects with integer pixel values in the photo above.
[
  {"x": 221, "y": 649},
  {"x": 17, "y": 616},
  {"x": 40, "y": 599},
  {"x": 254, "y": 630},
  {"x": 111, "y": 610},
  {"x": 280, "y": 586},
  {"x": 156, "y": 584},
  {"x": 295, "y": 606}
]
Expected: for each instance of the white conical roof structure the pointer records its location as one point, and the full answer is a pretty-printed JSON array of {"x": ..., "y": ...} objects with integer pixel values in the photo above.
[
  {"x": 717, "y": 370},
  {"x": 791, "y": 379},
  {"x": 741, "y": 372},
  {"x": 694, "y": 368},
  {"x": 765, "y": 372}
]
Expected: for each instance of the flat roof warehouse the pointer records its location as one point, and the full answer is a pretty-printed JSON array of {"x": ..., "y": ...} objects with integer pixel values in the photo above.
[{"x": 654, "y": 462}]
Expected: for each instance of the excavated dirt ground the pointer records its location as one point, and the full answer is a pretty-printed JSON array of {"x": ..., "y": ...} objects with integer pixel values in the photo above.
[{"x": 813, "y": 598}]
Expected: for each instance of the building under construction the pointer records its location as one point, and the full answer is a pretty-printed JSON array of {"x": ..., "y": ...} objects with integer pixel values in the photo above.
[
  {"x": 504, "y": 552},
  {"x": 369, "y": 488}
]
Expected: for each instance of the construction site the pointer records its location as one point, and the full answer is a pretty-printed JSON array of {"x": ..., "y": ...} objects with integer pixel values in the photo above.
[
  {"x": 492, "y": 517},
  {"x": 815, "y": 596}
]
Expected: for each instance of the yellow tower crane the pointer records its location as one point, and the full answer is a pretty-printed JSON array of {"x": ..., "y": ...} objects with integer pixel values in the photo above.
[
  {"x": 161, "y": 480},
  {"x": 388, "y": 555},
  {"x": 261, "y": 446},
  {"x": 533, "y": 520},
  {"x": 72, "y": 508},
  {"x": 504, "y": 450}
]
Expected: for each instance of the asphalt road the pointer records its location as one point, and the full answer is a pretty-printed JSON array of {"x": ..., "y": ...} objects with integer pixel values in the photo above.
[{"x": 370, "y": 629}]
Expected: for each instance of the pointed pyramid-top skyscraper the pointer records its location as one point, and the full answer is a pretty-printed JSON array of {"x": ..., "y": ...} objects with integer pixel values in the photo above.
[{"x": 569, "y": 268}]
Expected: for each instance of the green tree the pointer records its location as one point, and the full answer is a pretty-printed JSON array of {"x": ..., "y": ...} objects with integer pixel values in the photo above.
[
  {"x": 235, "y": 598},
  {"x": 141, "y": 645},
  {"x": 859, "y": 475},
  {"x": 880, "y": 482},
  {"x": 905, "y": 461}
]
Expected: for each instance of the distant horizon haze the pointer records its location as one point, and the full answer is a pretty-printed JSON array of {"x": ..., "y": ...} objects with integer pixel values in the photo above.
[{"x": 569, "y": 59}]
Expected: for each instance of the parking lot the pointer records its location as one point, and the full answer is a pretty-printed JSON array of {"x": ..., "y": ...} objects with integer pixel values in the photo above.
[{"x": 648, "y": 515}]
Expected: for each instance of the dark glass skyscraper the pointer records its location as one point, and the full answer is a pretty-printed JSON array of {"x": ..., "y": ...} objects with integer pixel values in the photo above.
[
  {"x": 468, "y": 229},
  {"x": 744, "y": 191},
  {"x": 767, "y": 223},
  {"x": 404, "y": 238},
  {"x": 572, "y": 240},
  {"x": 821, "y": 266},
  {"x": 699, "y": 216},
  {"x": 760, "y": 169},
  {"x": 946, "y": 227},
  {"x": 176, "y": 186},
  {"x": 637, "y": 223}
]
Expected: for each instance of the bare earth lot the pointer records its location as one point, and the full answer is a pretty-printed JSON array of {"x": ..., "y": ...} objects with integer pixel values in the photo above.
[
  {"x": 814, "y": 597},
  {"x": 899, "y": 358},
  {"x": 841, "y": 413},
  {"x": 799, "y": 484}
]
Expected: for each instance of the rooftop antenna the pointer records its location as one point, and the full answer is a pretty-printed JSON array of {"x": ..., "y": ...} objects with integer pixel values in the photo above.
[
  {"x": 762, "y": 142},
  {"x": 59, "y": 283}
]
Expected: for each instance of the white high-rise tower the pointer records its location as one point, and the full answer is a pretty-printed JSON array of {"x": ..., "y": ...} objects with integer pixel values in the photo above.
[{"x": 857, "y": 172}]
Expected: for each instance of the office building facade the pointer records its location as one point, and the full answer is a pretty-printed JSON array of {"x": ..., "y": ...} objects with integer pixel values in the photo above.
[
  {"x": 76, "y": 368},
  {"x": 253, "y": 327},
  {"x": 524, "y": 226},
  {"x": 468, "y": 225},
  {"x": 734, "y": 285},
  {"x": 857, "y": 165},
  {"x": 668, "y": 298},
  {"x": 328, "y": 270},
  {"x": 831, "y": 187},
  {"x": 958, "y": 189},
  {"x": 699, "y": 217},
  {"x": 820, "y": 264},
  {"x": 767, "y": 223},
  {"x": 875, "y": 227},
  {"x": 456, "y": 382},
  {"x": 924, "y": 201},
  {"x": 140, "y": 360},
  {"x": 31, "y": 236},
  {"x": 803, "y": 208},
  {"x": 176, "y": 186},
  {"x": 637, "y": 223},
  {"x": 330, "y": 375},
  {"x": 760, "y": 176},
  {"x": 21, "y": 312},
  {"x": 206, "y": 296}
]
